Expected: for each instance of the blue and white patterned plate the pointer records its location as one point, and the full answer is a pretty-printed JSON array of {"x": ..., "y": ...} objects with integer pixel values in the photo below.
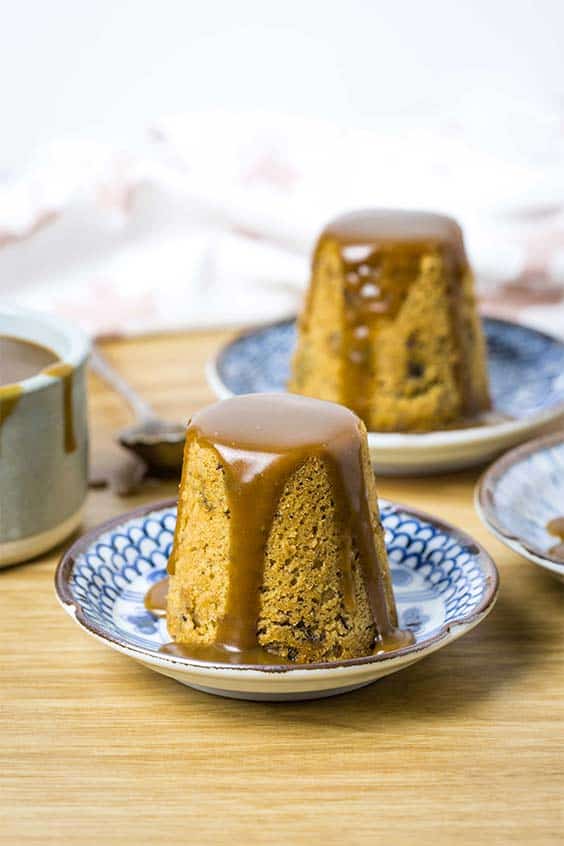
[
  {"x": 527, "y": 383},
  {"x": 520, "y": 493},
  {"x": 444, "y": 584}
]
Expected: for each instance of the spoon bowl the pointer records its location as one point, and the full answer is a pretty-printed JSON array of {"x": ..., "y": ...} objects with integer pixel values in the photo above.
[{"x": 158, "y": 442}]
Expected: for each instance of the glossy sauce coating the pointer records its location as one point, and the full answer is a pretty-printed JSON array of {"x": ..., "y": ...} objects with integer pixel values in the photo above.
[{"x": 260, "y": 440}]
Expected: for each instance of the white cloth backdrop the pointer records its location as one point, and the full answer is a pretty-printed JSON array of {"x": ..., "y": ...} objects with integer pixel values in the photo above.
[{"x": 211, "y": 218}]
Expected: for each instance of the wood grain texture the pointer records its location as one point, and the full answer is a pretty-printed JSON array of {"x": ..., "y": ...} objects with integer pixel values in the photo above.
[{"x": 465, "y": 747}]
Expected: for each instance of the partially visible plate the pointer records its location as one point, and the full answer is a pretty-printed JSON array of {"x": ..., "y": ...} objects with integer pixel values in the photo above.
[
  {"x": 444, "y": 584},
  {"x": 520, "y": 493},
  {"x": 527, "y": 384}
]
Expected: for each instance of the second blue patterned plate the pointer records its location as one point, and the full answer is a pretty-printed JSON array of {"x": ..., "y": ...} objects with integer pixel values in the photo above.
[
  {"x": 526, "y": 370},
  {"x": 519, "y": 497},
  {"x": 444, "y": 585}
]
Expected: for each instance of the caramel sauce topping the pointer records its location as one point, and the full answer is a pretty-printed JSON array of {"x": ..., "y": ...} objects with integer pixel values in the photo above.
[{"x": 260, "y": 441}]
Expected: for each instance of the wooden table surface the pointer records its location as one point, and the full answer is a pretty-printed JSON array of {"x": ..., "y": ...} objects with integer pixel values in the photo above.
[{"x": 464, "y": 747}]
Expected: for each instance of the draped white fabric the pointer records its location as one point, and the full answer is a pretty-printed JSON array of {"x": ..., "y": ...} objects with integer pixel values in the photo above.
[{"x": 210, "y": 219}]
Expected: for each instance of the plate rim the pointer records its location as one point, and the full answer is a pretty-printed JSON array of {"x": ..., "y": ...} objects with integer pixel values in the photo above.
[
  {"x": 405, "y": 440},
  {"x": 440, "y": 637},
  {"x": 484, "y": 494}
]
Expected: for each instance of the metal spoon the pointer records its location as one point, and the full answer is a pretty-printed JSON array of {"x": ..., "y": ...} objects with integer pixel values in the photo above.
[{"x": 159, "y": 443}]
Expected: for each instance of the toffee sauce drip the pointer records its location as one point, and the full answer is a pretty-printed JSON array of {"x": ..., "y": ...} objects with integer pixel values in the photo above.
[
  {"x": 20, "y": 359},
  {"x": 65, "y": 373},
  {"x": 260, "y": 441}
]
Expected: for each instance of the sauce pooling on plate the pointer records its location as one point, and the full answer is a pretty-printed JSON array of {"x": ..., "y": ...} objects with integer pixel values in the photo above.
[{"x": 556, "y": 527}]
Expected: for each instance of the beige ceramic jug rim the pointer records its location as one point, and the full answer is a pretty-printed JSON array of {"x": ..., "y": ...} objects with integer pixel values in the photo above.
[{"x": 70, "y": 343}]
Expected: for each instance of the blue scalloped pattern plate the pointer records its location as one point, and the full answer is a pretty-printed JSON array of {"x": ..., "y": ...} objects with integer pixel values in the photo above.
[
  {"x": 526, "y": 366},
  {"x": 521, "y": 493},
  {"x": 438, "y": 575}
]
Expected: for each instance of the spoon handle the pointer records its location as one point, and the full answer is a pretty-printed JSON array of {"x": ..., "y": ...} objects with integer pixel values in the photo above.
[{"x": 101, "y": 366}]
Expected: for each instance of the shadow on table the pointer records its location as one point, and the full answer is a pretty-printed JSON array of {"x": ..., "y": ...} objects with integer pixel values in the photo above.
[
  {"x": 505, "y": 647},
  {"x": 497, "y": 653}
]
